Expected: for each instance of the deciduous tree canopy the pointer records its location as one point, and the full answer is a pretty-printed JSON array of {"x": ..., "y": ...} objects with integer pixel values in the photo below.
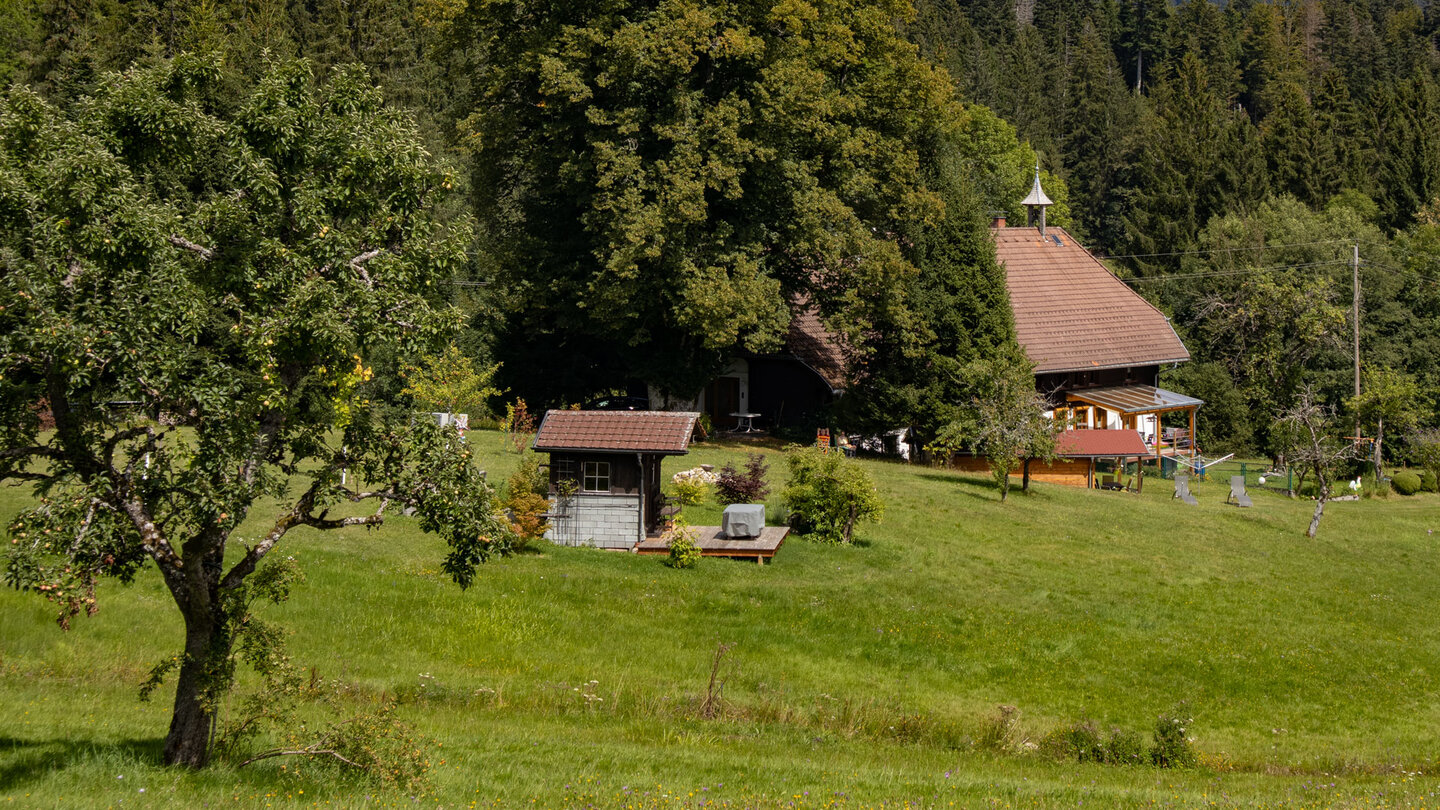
[
  {"x": 192, "y": 286},
  {"x": 665, "y": 182}
]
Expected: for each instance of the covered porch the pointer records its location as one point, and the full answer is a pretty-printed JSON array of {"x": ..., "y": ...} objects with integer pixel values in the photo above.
[
  {"x": 1082, "y": 449},
  {"x": 1138, "y": 408}
]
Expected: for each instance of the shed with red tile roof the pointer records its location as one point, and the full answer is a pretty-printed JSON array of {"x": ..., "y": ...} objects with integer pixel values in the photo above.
[{"x": 605, "y": 472}]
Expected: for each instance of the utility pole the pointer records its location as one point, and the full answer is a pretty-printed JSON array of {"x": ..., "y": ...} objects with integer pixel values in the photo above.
[{"x": 1355, "y": 323}]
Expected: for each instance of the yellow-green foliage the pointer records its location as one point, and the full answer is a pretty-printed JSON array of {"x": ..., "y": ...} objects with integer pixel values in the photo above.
[{"x": 450, "y": 382}]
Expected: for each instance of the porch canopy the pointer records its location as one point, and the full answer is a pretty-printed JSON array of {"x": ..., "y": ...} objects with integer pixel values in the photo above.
[
  {"x": 1134, "y": 401},
  {"x": 1083, "y": 447}
]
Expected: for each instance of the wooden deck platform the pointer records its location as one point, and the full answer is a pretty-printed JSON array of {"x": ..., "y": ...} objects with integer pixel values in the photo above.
[{"x": 715, "y": 544}]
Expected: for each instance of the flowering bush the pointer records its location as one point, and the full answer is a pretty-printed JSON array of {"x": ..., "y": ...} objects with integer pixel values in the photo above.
[
  {"x": 1172, "y": 748},
  {"x": 691, "y": 485},
  {"x": 680, "y": 539}
]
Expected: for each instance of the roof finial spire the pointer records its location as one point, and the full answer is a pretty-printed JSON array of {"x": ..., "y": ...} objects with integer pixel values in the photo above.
[{"x": 1036, "y": 203}]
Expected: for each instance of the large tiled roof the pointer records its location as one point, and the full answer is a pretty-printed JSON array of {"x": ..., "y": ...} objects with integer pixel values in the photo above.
[
  {"x": 817, "y": 347},
  {"x": 665, "y": 432},
  {"x": 1072, "y": 314},
  {"x": 1100, "y": 444}
]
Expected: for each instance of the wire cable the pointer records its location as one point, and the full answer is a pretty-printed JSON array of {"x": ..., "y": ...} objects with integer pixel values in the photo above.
[
  {"x": 1235, "y": 249},
  {"x": 1245, "y": 271}
]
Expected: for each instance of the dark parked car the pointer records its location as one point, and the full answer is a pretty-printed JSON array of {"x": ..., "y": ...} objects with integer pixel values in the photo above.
[{"x": 618, "y": 404}]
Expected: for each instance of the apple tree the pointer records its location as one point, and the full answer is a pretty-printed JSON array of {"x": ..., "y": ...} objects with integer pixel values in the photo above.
[{"x": 190, "y": 283}]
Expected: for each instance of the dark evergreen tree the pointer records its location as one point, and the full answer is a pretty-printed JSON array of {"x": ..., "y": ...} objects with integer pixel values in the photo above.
[
  {"x": 1345, "y": 155},
  {"x": 1141, "y": 44},
  {"x": 1293, "y": 153},
  {"x": 1101, "y": 117}
]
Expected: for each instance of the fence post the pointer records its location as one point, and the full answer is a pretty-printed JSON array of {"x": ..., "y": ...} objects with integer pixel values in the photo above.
[
  {"x": 1290, "y": 479},
  {"x": 1242, "y": 469}
]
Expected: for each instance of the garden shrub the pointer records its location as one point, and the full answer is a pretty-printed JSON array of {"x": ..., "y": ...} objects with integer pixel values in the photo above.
[
  {"x": 1405, "y": 482},
  {"x": 735, "y": 486},
  {"x": 680, "y": 539},
  {"x": 1429, "y": 482},
  {"x": 1124, "y": 748},
  {"x": 691, "y": 485},
  {"x": 828, "y": 494},
  {"x": 525, "y": 501},
  {"x": 1172, "y": 748}
]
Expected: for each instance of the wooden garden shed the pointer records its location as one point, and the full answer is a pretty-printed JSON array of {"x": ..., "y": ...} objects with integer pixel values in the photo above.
[{"x": 605, "y": 472}]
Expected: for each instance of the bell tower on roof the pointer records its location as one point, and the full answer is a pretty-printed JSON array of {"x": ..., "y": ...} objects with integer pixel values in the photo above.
[{"x": 1035, "y": 205}]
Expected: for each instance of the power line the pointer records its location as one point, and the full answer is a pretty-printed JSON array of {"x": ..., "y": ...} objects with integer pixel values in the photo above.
[
  {"x": 1410, "y": 275},
  {"x": 1241, "y": 272},
  {"x": 1230, "y": 250}
]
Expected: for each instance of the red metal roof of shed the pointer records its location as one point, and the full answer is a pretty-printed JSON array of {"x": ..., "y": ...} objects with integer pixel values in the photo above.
[
  {"x": 1072, "y": 314},
  {"x": 666, "y": 432},
  {"x": 1100, "y": 444}
]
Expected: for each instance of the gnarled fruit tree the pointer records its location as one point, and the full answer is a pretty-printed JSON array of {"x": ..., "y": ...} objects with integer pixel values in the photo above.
[{"x": 190, "y": 284}]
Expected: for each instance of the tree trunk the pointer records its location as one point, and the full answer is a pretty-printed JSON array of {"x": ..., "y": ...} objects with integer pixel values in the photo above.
[
  {"x": 1379, "y": 431},
  {"x": 1025, "y": 477},
  {"x": 1319, "y": 509},
  {"x": 1004, "y": 487},
  {"x": 188, "y": 742}
]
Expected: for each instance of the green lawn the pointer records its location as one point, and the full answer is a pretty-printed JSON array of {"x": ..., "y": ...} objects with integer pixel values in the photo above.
[{"x": 860, "y": 676}]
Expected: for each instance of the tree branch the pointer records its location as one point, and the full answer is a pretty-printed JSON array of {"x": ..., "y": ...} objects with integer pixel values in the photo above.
[
  {"x": 181, "y": 242},
  {"x": 75, "y": 271},
  {"x": 358, "y": 265},
  {"x": 300, "y": 752}
]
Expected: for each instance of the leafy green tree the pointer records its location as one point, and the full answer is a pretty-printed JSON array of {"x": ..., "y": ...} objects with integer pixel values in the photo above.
[
  {"x": 664, "y": 182},
  {"x": 1387, "y": 398},
  {"x": 1425, "y": 449},
  {"x": 1226, "y": 423},
  {"x": 829, "y": 494},
  {"x": 449, "y": 382},
  {"x": 190, "y": 288},
  {"x": 957, "y": 308},
  {"x": 1005, "y": 422}
]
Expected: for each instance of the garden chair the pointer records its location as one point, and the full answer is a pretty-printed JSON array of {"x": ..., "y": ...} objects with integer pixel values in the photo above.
[
  {"x": 1182, "y": 490},
  {"x": 1237, "y": 491}
]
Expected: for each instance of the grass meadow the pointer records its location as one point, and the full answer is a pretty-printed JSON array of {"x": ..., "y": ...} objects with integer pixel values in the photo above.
[{"x": 860, "y": 676}]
